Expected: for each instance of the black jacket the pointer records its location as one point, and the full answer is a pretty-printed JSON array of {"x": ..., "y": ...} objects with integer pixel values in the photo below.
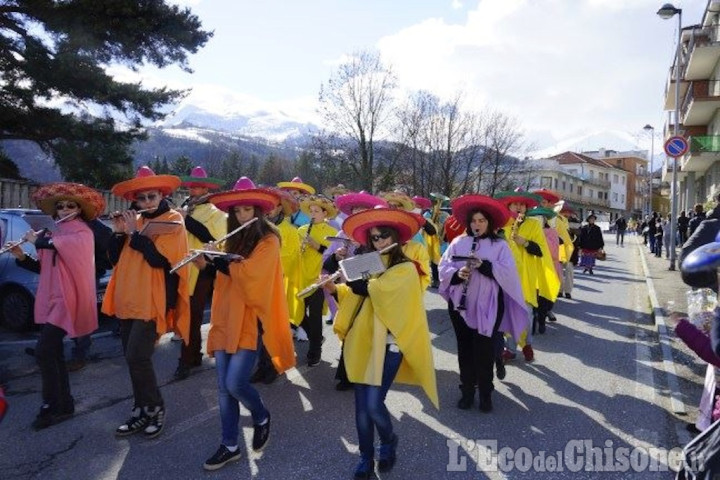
[{"x": 591, "y": 237}]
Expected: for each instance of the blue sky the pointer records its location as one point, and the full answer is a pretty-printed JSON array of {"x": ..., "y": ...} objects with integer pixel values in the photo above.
[{"x": 562, "y": 67}]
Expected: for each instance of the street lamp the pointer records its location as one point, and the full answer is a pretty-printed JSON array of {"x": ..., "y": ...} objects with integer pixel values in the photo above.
[
  {"x": 651, "y": 129},
  {"x": 666, "y": 12}
]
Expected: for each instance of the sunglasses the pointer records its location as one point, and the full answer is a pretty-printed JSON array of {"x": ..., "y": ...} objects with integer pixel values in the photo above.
[
  {"x": 382, "y": 236},
  {"x": 146, "y": 198},
  {"x": 62, "y": 206}
]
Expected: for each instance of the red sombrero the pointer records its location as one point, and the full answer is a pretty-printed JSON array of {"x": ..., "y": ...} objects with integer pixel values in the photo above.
[
  {"x": 346, "y": 203},
  {"x": 245, "y": 193},
  {"x": 198, "y": 178},
  {"x": 548, "y": 195},
  {"x": 321, "y": 201},
  {"x": 145, "y": 179},
  {"x": 297, "y": 184},
  {"x": 491, "y": 207},
  {"x": 529, "y": 199},
  {"x": 422, "y": 202},
  {"x": 358, "y": 225},
  {"x": 91, "y": 202}
]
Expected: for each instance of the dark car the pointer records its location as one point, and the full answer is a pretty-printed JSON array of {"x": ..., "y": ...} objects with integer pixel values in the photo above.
[{"x": 17, "y": 285}]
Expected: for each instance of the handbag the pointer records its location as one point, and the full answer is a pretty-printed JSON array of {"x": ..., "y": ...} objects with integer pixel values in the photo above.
[{"x": 600, "y": 255}]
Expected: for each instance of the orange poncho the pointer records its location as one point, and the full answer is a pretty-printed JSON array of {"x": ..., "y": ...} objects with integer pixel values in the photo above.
[
  {"x": 137, "y": 290},
  {"x": 253, "y": 290}
]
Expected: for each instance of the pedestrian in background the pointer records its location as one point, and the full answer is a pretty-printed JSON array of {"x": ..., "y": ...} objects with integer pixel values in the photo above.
[
  {"x": 620, "y": 227},
  {"x": 683, "y": 222}
]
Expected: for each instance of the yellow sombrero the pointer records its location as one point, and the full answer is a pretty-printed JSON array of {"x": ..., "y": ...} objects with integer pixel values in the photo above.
[
  {"x": 336, "y": 191},
  {"x": 145, "y": 179},
  {"x": 91, "y": 202},
  {"x": 321, "y": 201},
  {"x": 358, "y": 225},
  {"x": 297, "y": 184},
  {"x": 405, "y": 202}
]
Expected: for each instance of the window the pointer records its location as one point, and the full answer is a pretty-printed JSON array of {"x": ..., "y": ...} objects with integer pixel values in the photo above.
[
  {"x": 623, "y": 180},
  {"x": 615, "y": 196},
  {"x": 579, "y": 191},
  {"x": 622, "y": 198},
  {"x": 563, "y": 185},
  {"x": 571, "y": 188},
  {"x": 600, "y": 194},
  {"x": 592, "y": 193},
  {"x": 615, "y": 178},
  {"x": 555, "y": 187},
  {"x": 546, "y": 182}
]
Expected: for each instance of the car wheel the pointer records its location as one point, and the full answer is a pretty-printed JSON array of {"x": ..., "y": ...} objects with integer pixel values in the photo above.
[{"x": 16, "y": 309}]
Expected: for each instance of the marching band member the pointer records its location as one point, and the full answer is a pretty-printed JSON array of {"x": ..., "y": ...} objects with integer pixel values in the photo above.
[
  {"x": 384, "y": 331},
  {"x": 567, "y": 213},
  {"x": 348, "y": 204},
  {"x": 532, "y": 258},
  {"x": 432, "y": 240},
  {"x": 204, "y": 223},
  {"x": 544, "y": 310},
  {"x": 313, "y": 243},
  {"x": 248, "y": 302},
  {"x": 66, "y": 302},
  {"x": 298, "y": 189},
  {"x": 148, "y": 300},
  {"x": 484, "y": 295}
]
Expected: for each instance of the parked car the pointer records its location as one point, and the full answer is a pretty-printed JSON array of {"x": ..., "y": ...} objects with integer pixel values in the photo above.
[{"x": 17, "y": 285}]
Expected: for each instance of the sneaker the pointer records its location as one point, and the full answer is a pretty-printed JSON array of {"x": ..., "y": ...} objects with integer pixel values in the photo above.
[
  {"x": 182, "y": 372},
  {"x": 261, "y": 434},
  {"x": 222, "y": 457},
  {"x": 551, "y": 317},
  {"x": 329, "y": 321},
  {"x": 386, "y": 455},
  {"x": 528, "y": 353},
  {"x": 137, "y": 422},
  {"x": 156, "y": 421},
  {"x": 301, "y": 335},
  {"x": 75, "y": 364}
]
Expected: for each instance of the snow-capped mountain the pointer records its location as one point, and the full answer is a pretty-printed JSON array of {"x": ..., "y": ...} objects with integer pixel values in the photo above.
[{"x": 238, "y": 114}]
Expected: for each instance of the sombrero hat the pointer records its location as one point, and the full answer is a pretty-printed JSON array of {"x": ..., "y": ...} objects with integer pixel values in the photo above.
[
  {"x": 498, "y": 212},
  {"x": 198, "y": 178},
  {"x": 321, "y": 201},
  {"x": 297, "y": 184},
  {"x": 453, "y": 228},
  {"x": 518, "y": 196},
  {"x": 289, "y": 203},
  {"x": 399, "y": 198},
  {"x": 548, "y": 195},
  {"x": 245, "y": 193},
  {"x": 145, "y": 179},
  {"x": 358, "y": 225},
  {"x": 422, "y": 202},
  {"x": 541, "y": 211},
  {"x": 346, "y": 203},
  {"x": 91, "y": 202}
]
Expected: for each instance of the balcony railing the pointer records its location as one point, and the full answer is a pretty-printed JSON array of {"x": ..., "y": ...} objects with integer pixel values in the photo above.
[
  {"x": 704, "y": 143},
  {"x": 597, "y": 181},
  {"x": 700, "y": 90}
]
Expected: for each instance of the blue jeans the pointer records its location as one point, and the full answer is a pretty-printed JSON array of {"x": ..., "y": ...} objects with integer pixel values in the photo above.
[
  {"x": 370, "y": 409},
  {"x": 233, "y": 374}
]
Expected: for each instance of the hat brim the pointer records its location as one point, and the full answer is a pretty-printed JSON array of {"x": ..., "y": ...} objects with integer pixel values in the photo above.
[
  {"x": 346, "y": 203},
  {"x": 358, "y": 225},
  {"x": 530, "y": 200},
  {"x": 166, "y": 184},
  {"x": 548, "y": 195},
  {"x": 91, "y": 202},
  {"x": 495, "y": 209},
  {"x": 303, "y": 187},
  {"x": 262, "y": 198},
  {"x": 423, "y": 203},
  {"x": 541, "y": 211},
  {"x": 322, "y": 202},
  {"x": 405, "y": 201},
  {"x": 197, "y": 182}
]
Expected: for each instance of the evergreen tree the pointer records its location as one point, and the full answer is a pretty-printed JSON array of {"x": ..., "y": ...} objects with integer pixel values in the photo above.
[
  {"x": 60, "y": 51},
  {"x": 182, "y": 166}
]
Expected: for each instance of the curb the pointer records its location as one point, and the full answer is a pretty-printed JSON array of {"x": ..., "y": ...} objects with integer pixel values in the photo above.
[{"x": 678, "y": 406}]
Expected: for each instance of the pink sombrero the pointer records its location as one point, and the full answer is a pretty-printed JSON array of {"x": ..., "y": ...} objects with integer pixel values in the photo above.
[
  {"x": 246, "y": 193},
  {"x": 91, "y": 202},
  {"x": 358, "y": 225},
  {"x": 346, "y": 203},
  {"x": 491, "y": 207},
  {"x": 199, "y": 178},
  {"x": 422, "y": 202},
  {"x": 145, "y": 179},
  {"x": 297, "y": 184}
]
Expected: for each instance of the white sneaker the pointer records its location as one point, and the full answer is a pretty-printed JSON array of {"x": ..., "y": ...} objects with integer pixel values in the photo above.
[{"x": 301, "y": 335}]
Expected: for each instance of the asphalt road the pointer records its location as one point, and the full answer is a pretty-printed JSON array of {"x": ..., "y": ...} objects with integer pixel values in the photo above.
[{"x": 597, "y": 381}]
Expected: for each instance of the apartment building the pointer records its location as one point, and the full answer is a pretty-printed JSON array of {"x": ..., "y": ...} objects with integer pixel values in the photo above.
[
  {"x": 698, "y": 171},
  {"x": 635, "y": 164}
]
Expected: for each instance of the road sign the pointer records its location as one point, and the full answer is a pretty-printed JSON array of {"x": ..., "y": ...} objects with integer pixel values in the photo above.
[{"x": 676, "y": 146}]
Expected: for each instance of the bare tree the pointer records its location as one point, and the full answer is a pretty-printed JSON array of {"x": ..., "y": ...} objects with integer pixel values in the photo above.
[
  {"x": 355, "y": 103},
  {"x": 412, "y": 119},
  {"x": 503, "y": 141}
]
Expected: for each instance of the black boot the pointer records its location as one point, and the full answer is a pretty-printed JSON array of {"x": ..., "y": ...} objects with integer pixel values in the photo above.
[
  {"x": 468, "y": 397},
  {"x": 486, "y": 402}
]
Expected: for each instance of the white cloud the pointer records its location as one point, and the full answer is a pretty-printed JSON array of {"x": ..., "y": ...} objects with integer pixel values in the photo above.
[{"x": 456, "y": 4}]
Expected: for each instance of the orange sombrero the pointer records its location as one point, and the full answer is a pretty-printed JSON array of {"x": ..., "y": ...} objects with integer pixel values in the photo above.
[
  {"x": 489, "y": 206},
  {"x": 91, "y": 202},
  {"x": 358, "y": 225},
  {"x": 399, "y": 198},
  {"x": 145, "y": 179},
  {"x": 548, "y": 195},
  {"x": 297, "y": 184},
  {"x": 321, "y": 201},
  {"x": 245, "y": 193}
]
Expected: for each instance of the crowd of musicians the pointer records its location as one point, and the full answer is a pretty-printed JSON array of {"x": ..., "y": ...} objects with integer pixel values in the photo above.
[{"x": 272, "y": 262}]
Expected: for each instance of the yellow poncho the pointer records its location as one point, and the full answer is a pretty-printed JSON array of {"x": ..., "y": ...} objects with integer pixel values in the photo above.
[
  {"x": 566, "y": 249},
  {"x": 215, "y": 220},
  {"x": 395, "y": 306},
  {"x": 290, "y": 259},
  {"x": 417, "y": 252},
  {"x": 311, "y": 263},
  {"x": 433, "y": 244}
]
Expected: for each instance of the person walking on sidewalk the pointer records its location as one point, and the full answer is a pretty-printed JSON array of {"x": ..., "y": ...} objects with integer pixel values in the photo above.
[
  {"x": 591, "y": 242},
  {"x": 683, "y": 223},
  {"x": 620, "y": 227}
]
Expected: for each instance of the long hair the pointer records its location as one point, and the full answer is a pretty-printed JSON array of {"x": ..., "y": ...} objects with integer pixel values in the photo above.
[
  {"x": 245, "y": 241},
  {"x": 396, "y": 255},
  {"x": 490, "y": 232}
]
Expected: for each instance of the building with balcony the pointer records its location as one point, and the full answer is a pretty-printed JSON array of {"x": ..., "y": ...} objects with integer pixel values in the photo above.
[
  {"x": 698, "y": 171},
  {"x": 637, "y": 186}
]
